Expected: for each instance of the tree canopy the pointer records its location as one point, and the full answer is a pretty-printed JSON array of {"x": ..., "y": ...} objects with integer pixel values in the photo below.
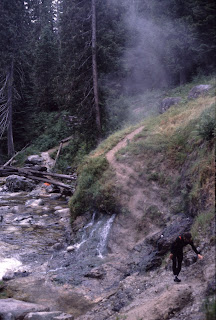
[{"x": 55, "y": 53}]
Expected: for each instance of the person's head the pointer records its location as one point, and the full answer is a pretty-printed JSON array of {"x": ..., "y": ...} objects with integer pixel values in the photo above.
[{"x": 187, "y": 236}]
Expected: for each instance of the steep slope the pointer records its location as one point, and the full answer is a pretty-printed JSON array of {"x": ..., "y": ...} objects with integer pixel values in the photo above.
[{"x": 164, "y": 176}]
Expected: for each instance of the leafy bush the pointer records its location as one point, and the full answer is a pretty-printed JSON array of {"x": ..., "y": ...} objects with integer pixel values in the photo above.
[
  {"x": 206, "y": 127},
  {"x": 73, "y": 154},
  {"x": 94, "y": 191},
  {"x": 202, "y": 222}
]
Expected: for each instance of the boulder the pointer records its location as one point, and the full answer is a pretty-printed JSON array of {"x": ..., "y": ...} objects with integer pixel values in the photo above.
[
  {"x": 16, "y": 183},
  {"x": 196, "y": 91},
  {"x": 34, "y": 160},
  {"x": 166, "y": 103},
  {"x": 34, "y": 203},
  {"x": 15, "y": 309},
  {"x": 164, "y": 240}
]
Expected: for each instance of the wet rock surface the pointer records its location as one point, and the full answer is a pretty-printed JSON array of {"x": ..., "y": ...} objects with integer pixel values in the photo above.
[{"x": 14, "y": 309}]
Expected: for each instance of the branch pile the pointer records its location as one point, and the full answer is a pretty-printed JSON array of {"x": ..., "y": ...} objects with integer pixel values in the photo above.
[{"x": 43, "y": 176}]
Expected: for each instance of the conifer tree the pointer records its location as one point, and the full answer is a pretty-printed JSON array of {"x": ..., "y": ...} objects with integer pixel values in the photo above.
[
  {"x": 45, "y": 53},
  {"x": 12, "y": 28},
  {"x": 87, "y": 40}
]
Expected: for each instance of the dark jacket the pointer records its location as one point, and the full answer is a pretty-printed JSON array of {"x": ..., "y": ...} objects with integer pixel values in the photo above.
[{"x": 178, "y": 245}]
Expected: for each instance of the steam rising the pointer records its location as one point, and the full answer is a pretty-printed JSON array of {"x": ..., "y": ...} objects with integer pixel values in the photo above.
[{"x": 151, "y": 56}]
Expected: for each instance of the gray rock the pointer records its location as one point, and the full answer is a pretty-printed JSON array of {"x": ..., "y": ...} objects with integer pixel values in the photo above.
[
  {"x": 166, "y": 103},
  {"x": 71, "y": 248},
  {"x": 170, "y": 233},
  {"x": 34, "y": 203},
  {"x": 42, "y": 315},
  {"x": 16, "y": 183},
  {"x": 55, "y": 196},
  {"x": 96, "y": 273},
  {"x": 8, "y": 276},
  {"x": 34, "y": 160},
  {"x": 196, "y": 91},
  {"x": 11, "y": 309}
]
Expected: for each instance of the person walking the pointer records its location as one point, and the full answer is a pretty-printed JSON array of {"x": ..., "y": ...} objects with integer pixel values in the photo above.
[{"x": 177, "y": 253}]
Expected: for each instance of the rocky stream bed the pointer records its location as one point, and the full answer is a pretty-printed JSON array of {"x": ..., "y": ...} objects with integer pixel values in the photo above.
[{"x": 103, "y": 267}]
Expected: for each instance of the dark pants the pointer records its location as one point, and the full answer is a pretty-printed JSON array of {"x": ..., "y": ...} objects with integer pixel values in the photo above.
[{"x": 177, "y": 263}]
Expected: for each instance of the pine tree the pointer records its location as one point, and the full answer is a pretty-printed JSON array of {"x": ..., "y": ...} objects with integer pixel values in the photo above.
[
  {"x": 12, "y": 28},
  {"x": 78, "y": 48},
  {"x": 45, "y": 54}
]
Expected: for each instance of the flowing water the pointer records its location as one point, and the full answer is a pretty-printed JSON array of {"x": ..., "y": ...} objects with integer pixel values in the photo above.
[{"x": 34, "y": 239}]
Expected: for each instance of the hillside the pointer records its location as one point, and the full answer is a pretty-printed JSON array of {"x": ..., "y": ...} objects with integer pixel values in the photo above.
[
  {"x": 159, "y": 177},
  {"x": 107, "y": 257}
]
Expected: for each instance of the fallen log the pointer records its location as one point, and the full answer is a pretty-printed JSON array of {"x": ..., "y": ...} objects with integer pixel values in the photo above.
[
  {"x": 56, "y": 183},
  {"x": 16, "y": 154},
  {"x": 38, "y": 176},
  {"x": 10, "y": 170},
  {"x": 51, "y": 174}
]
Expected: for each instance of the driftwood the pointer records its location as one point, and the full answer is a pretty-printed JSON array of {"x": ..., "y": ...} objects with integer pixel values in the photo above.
[
  {"x": 58, "y": 153},
  {"x": 62, "y": 142},
  {"x": 16, "y": 154},
  {"x": 38, "y": 175}
]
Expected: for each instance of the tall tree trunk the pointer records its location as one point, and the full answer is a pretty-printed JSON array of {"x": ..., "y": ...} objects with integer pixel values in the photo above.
[
  {"x": 10, "y": 111},
  {"x": 94, "y": 71}
]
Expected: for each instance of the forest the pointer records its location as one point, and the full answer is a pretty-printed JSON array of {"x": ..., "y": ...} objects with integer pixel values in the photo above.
[{"x": 64, "y": 64}]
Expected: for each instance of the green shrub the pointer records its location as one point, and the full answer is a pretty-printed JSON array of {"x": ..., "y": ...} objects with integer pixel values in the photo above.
[
  {"x": 73, "y": 154},
  {"x": 94, "y": 190},
  {"x": 202, "y": 222},
  {"x": 206, "y": 126}
]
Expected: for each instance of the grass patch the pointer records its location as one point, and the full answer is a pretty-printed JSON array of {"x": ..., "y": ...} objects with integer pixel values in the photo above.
[
  {"x": 202, "y": 223},
  {"x": 174, "y": 150},
  {"x": 112, "y": 141},
  {"x": 179, "y": 140},
  {"x": 95, "y": 189}
]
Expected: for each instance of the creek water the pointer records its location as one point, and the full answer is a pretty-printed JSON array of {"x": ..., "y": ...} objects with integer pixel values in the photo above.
[{"x": 34, "y": 239}]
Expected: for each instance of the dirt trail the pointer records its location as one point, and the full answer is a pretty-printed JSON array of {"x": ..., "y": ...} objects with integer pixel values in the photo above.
[
  {"x": 123, "y": 143},
  {"x": 164, "y": 299},
  {"x": 126, "y": 176}
]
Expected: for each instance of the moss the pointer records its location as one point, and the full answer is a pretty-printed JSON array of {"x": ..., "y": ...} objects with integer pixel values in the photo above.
[{"x": 95, "y": 189}]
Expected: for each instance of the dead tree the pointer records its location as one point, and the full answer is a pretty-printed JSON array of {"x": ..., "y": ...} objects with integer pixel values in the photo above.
[
  {"x": 94, "y": 70},
  {"x": 6, "y": 109}
]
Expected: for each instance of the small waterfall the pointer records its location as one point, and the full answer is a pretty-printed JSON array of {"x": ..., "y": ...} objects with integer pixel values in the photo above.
[
  {"x": 95, "y": 235},
  {"x": 85, "y": 236},
  {"x": 104, "y": 236}
]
